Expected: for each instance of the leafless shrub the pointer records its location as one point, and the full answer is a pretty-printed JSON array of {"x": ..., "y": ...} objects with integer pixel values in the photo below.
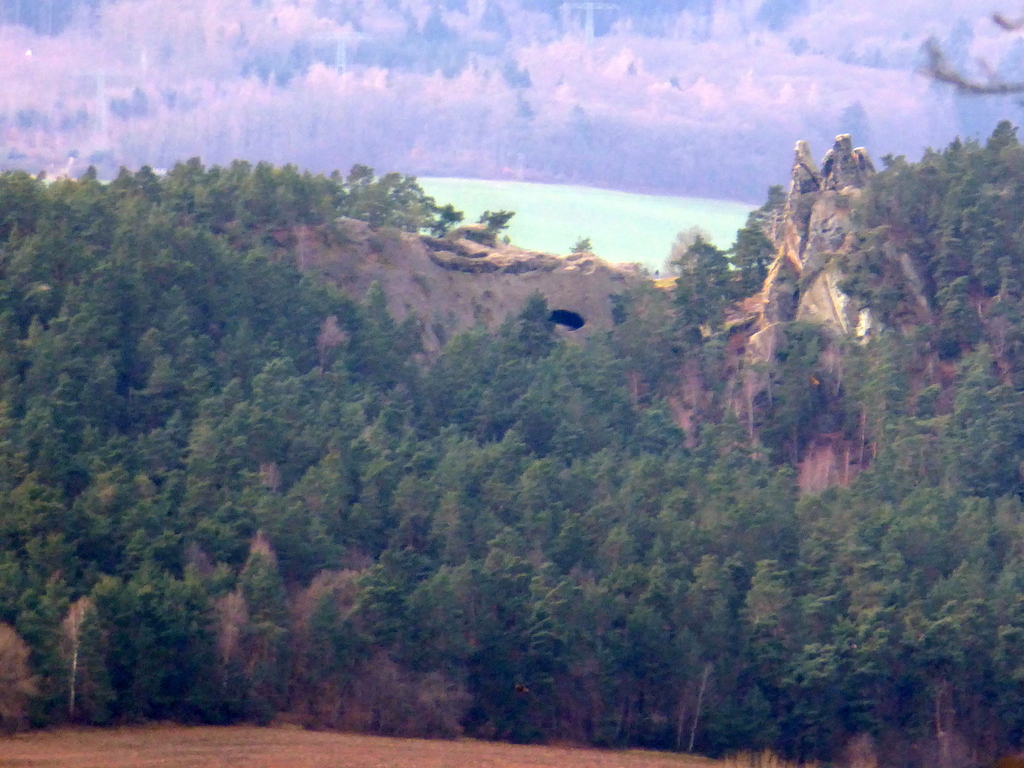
[
  {"x": 270, "y": 475},
  {"x": 232, "y": 616},
  {"x": 860, "y": 752},
  {"x": 331, "y": 336},
  {"x": 17, "y": 685},
  {"x": 341, "y": 586},
  {"x": 673, "y": 267},
  {"x": 318, "y": 697},
  {"x": 260, "y": 545},
  {"x": 392, "y": 701}
]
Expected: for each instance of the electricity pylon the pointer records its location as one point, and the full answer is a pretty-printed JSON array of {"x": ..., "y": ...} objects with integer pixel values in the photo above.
[
  {"x": 588, "y": 7},
  {"x": 102, "y": 119},
  {"x": 341, "y": 41}
]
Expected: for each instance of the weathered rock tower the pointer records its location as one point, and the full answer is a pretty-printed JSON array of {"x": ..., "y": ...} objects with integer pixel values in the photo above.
[{"x": 803, "y": 281}]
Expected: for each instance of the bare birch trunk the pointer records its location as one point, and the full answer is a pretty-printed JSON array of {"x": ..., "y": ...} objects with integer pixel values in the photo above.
[
  {"x": 72, "y": 629},
  {"x": 700, "y": 703}
]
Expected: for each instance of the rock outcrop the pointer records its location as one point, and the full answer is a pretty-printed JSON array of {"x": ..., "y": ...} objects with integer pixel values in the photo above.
[
  {"x": 803, "y": 281},
  {"x": 476, "y": 250},
  {"x": 462, "y": 279}
]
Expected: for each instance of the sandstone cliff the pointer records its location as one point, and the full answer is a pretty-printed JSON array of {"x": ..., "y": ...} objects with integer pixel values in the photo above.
[
  {"x": 815, "y": 226},
  {"x": 803, "y": 283},
  {"x": 464, "y": 278}
]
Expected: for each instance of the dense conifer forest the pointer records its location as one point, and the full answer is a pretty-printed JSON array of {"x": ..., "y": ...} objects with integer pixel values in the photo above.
[{"x": 231, "y": 493}]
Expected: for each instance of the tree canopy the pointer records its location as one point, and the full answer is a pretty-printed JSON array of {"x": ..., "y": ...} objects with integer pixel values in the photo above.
[{"x": 231, "y": 492}]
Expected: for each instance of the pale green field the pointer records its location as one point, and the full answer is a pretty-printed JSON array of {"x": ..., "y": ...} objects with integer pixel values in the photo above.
[{"x": 621, "y": 225}]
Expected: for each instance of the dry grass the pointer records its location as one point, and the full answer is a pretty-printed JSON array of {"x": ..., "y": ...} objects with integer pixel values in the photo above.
[
  {"x": 235, "y": 747},
  {"x": 761, "y": 760}
]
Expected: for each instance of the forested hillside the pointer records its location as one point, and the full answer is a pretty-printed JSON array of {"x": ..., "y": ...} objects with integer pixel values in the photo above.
[{"x": 231, "y": 493}]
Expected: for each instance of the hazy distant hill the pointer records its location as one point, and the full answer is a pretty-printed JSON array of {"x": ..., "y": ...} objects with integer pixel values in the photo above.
[{"x": 686, "y": 96}]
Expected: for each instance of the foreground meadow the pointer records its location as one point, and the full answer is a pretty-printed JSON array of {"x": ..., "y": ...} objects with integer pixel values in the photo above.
[{"x": 210, "y": 747}]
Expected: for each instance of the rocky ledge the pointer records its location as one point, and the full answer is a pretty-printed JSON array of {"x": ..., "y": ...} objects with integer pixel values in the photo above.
[{"x": 476, "y": 250}]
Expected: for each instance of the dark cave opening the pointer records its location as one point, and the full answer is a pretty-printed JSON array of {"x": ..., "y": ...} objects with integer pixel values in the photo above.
[{"x": 571, "y": 320}]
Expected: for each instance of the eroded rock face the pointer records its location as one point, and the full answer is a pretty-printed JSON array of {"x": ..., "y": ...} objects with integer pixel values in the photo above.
[
  {"x": 844, "y": 166},
  {"x": 806, "y": 177},
  {"x": 476, "y": 250},
  {"x": 465, "y": 278},
  {"x": 803, "y": 282}
]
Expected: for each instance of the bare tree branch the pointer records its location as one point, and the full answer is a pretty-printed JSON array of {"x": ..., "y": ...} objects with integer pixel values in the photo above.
[
  {"x": 1009, "y": 26},
  {"x": 938, "y": 68}
]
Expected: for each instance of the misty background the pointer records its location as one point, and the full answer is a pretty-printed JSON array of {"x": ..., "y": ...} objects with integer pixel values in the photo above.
[{"x": 689, "y": 97}]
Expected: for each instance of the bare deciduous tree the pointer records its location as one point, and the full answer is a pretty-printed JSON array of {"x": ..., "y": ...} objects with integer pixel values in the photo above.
[
  {"x": 232, "y": 616},
  {"x": 331, "y": 336},
  {"x": 16, "y": 682},
  {"x": 320, "y": 690},
  {"x": 71, "y": 644},
  {"x": 390, "y": 700},
  {"x": 673, "y": 267}
]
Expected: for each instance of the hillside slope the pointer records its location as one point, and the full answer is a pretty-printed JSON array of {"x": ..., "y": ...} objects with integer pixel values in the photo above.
[
  {"x": 232, "y": 493},
  {"x": 450, "y": 284}
]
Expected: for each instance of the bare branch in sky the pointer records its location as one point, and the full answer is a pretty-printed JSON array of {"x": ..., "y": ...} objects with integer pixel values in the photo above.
[
  {"x": 1007, "y": 24},
  {"x": 938, "y": 68}
]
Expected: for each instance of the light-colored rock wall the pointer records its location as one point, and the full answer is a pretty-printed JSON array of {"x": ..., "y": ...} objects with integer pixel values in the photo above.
[{"x": 455, "y": 282}]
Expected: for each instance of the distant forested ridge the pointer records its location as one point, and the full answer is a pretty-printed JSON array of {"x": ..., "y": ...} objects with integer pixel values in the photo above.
[
  {"x": 230, "y": 493},
  {"x": 686, "y": 97}
]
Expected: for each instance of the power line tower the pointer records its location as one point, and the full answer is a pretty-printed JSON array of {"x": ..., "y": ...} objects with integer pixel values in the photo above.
[
  {"x": 587, "y": 7},
  {"x": 102, "y": 79},
  {"x": 342, "y": 43},
  {"x": 341, "y": 56}
]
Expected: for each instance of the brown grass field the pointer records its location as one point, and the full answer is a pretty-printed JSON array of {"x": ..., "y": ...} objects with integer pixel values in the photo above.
[{"x": 170, "y": 746}]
